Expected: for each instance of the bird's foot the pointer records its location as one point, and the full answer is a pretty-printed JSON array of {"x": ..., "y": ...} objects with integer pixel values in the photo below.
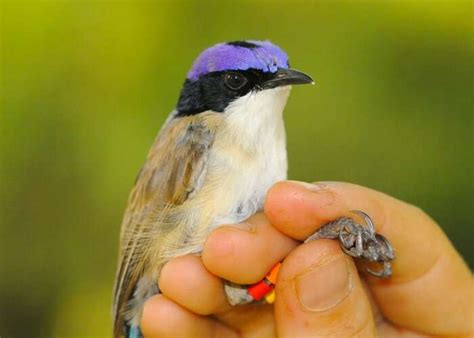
[
  {"x": 357, "y": 240},
  {"x": 360, "y": 241}
]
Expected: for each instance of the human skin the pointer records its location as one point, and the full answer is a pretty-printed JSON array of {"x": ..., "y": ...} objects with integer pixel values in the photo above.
[{"x": 320, "y": 292}]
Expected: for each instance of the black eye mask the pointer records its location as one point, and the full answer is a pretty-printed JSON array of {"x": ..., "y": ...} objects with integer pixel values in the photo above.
[{"x": 216, "y": 90}]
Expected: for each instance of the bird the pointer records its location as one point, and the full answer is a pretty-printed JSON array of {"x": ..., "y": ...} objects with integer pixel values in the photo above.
[{"x": 212, "y": 163}]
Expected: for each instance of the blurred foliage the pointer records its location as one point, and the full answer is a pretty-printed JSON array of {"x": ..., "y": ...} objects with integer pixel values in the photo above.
[{"x": 85, "y": 86}]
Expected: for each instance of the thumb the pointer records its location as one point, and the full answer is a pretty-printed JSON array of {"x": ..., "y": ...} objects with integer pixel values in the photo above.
[{"x": 319, "y": 293}]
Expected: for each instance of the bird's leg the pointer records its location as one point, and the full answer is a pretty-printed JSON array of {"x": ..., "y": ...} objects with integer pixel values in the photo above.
[
  {"x": 359, "y": 241},
  {"x": 237, "y": 294}
]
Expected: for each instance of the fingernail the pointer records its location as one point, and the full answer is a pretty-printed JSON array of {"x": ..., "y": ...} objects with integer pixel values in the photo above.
[
  {"x": 325, "y": 195},
  {"x": 316, "y": 187},
  {"x": 311, "y": 186},
  {"x": 325, "y": 286},
  {"x": 245, "y": 226}
]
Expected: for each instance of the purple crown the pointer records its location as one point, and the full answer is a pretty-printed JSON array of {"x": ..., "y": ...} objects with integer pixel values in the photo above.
[{"x": 239, "y": 55}]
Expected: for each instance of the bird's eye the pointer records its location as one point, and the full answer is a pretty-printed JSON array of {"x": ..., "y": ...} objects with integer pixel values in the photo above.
[{"x": 235, "y": 81}]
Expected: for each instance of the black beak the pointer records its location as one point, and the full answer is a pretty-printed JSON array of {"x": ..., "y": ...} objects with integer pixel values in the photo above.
[{"x": 286, "y": 77}]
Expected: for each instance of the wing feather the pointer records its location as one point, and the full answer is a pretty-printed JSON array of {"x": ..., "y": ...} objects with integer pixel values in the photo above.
[{"x": 174, "y": 171}]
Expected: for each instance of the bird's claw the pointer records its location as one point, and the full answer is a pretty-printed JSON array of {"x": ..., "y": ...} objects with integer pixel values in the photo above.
[
  {"x": 360, "y": 241},
  {"x": 385, "y": 272}
]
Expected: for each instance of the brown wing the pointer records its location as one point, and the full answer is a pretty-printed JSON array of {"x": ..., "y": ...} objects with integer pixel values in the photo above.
[{"x": 174, "y": 170}]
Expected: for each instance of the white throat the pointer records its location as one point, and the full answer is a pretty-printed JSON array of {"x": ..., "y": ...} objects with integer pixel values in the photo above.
[
  {"x": 258, "y": 116},
  {"x": 251, "y": 150}
]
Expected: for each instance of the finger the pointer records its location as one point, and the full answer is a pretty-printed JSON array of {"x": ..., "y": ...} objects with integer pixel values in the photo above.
[
  {"x": 186, "y": 281},
  {"x": 245, "y": 253},
  {"x": 299, "y": 209},
  {"x": 254, "y": 320},
  {"x": 431, "y": 287},
  {"x": 164, "y": 318},
  {"x": 319, "y": 294}
]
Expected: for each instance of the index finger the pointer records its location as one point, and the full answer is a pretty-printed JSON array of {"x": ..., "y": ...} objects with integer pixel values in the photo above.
[{"x": 431, "y": 287}]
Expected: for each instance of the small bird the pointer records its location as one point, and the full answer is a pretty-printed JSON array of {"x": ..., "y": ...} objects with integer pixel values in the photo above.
[{"x": 212, "y": 163}]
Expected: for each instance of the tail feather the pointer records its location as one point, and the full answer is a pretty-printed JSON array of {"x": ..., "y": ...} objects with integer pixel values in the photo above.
[{"x": 135, "y": 332}]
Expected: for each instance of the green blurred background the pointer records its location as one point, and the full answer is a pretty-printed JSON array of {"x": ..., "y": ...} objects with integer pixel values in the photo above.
[{"x": 85, "y": 86}]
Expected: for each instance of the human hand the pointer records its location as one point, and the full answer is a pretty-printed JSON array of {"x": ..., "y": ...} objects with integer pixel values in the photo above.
[{"x": 319, "y": 291}]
